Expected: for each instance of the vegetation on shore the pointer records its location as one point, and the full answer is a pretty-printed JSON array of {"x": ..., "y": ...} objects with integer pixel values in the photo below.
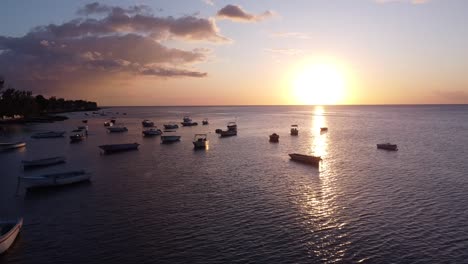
[{"x": 14, "y": 103}]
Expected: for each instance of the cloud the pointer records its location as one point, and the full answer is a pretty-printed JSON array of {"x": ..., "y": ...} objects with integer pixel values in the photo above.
[
  {"x": 415, "y": 2},
  {"x": 123, "y": 43},
  {"x": 285, "y": 51},
  {"x": 298, "y": 35},
  {"x": 454, "y": 96},
  {"x": 209, "y": 2},
  {"x": 236, "y": 13}
]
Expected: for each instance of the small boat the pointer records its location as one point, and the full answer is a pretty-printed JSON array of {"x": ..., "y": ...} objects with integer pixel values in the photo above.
[
  {"x": 218, "y": 131},
  {"x": 187, "y": 121},
  {"x": 82, "y": 127},
  {"x": 274, "y": 137},
  {"x": 152, "y": 132},
  {"x": 307, "y": 159},
  {"x": 117, "y": 129},
  {"x": 205, "y": 121},
  {"x": 323, "y": 129},
  {"x": 171, "y": 126},
  {"x": 50, "y": 134},
  {"x": 13, "y": 145},
  {"x": 9, "y": 230},
  {"x": 228, "y": 133},
  {"x": 232, "y": 126},
  {"x": 147, "y": 123},
  {"x": 119, "y": 147},
  {"x": 200, "y": 141},
  {"x": 387, "y": 146},
  {"x": 112, "y": 121},
  {"x": 55, "y": 179},
  {"x": 77, "y": 137},
  {"x": 294, "y": 130},
  {"x": 107, "y": 124},
  {"x": 43, "y": 162},
  {"x": 85, "y": 121},
  {"x": 169, "y": 138}
]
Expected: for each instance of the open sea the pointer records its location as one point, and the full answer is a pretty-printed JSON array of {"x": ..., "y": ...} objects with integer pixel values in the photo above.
[{"x": 242, "y": 200}]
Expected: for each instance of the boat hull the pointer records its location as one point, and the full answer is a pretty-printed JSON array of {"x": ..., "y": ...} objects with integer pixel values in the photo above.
[
  {"x": 171, "y": 126},
  {"x": 119, "y": 147},
  {"x": 55, "y": 180},
  {"x": 228, "y": 133},
  {"x": 9, "y": 146},
  {"x": 390, "y": 147},
  {"x": 189, "y": 124},
  {"x": 169, "y": 139},
  {"x": 29, "y": 164},
  {"x": 306, "y": 159},
  {"x": 199, "y": 144},
  {"x": 7, "y": 239},
  {"x": 48, "y": 135}
]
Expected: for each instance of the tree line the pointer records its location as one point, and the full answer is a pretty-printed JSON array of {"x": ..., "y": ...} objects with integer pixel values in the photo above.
[{"x": 24, "y": 103}]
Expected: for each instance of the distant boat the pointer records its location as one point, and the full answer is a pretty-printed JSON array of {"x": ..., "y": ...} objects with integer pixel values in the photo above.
[
  {"x": 307, "y": 159},
  {"x": 85, "y": 121},
  {"x": 228, "y": 133},
  {"x": 232, "y": 126},
  {"x": 200, "y": 141},
  {"x": 119, "y": 147},
  {"x": 171, "y": 126},
  {"x": 294, "y": 130},
  {"x": 50, "y": 134},
  {"x": 147, "y": 123},
  {"x": 108, "y": 123},
  {"x": 152, "y": 132},
  {"x": 112, "y": 121},
  {"x": 187, "y": 121},
  {"x": 323, "y": 129},
  {"x": 43, "y": 162},
  {"x": 82, "y": 127},
  {"x": 205, "y": 121},
  {"x": 117, "y": 129},
  {"x": 9, "y": 230},
  {"x": 274, "y": 137},
  {"x": 168, "y": 138},
  {"x": 55, "y": 179},
  {"x": 77, "y": 137},
  {"x": 218, "y": 130},
  {"x": 13, "y": 145},
  {"x": 387, "y": 146}
]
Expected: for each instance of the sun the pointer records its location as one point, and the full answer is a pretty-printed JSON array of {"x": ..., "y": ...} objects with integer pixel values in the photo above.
[{"x": 319, "y": 84}]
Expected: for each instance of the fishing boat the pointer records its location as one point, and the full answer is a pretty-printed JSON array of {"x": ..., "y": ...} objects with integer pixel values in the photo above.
[
  {"x": 232, "y": 126},
  {"x": 187, "y": 121},
  {"x": 50, "y": 134},
  {"x": 200, "y": 141},
  {"x": 55, "y": 179},
  {"x": 323, "y": 129},
  {"x": 205, "y": 121},
  {"x": 117, "y": 129},
  {"x": 13, "y": 145},
  {"x": 228, "y": 133},
  {"x": 111, "y": 148},
  {"x": 171, "y": 126},
  {"x": 387, "y": 146},
  {"x": 43, "y": 162},
  {"x": 294, "y": 130},
  {"x": 274, "y": 137},
  {"x": 169, "y": 138},
  {"x": 77, "y": 137},
  {"x": 307, "y": 159},
  {"x": 9, "y": 230},
  {"x": 152, "y": 132},
  {"x": 147, "y": 123}
]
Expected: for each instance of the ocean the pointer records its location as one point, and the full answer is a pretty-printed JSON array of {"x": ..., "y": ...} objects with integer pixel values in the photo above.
[{"x": 242, "y": 200}]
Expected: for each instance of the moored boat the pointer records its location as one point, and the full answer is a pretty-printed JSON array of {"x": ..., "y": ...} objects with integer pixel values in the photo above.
[
  {"x": 294, "y": 130},
  {"x": 323, "y": 129},
  {"x": 55, "y": 179},
  {"x": 200, "y": 141},
  {"x": 49, "y": 134},
  {"x": 169, "y": 138},
  {"x": 147, "y": 123},
  {"x": 43, "y": 162},
  {"x": 232, "y": 126},
  {"x": 9, "y": 230},
  {"x": 274, "y": 137},
  {"x": 171, "y": 126},
  {"x": 77, "y": 137},
  {"x": 388, "y": 146},
  {"x": 228, "y": 133},
  {"x": 12, "y": 145},
  {"x": 152, "y": 132},
  {"x": 107, "y": 124},
  {"x": 218, "y": 130},
  {"x": 119, "y": 147},
  {"x": 307, "y": 159},
  {"x": 205, "y": 121},
  {"x": 117, "y": 129},
  {"x": 187, "y": 121}
]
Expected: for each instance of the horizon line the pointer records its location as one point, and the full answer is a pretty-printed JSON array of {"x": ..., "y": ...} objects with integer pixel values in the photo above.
[{"x": 247, "y": 105}]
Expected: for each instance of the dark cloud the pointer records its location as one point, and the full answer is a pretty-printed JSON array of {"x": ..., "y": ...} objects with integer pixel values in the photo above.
[
  {"x": 236, "y": 13},
  {"x": 123, "y": 42}
]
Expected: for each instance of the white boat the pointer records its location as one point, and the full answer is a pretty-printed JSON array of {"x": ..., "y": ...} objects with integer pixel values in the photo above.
[
  {"x": 294, "y": 130},
  {"x": 147, "y": 123},
  {"x": 187, "y": 121},
  {"x": 152, "y": 132},
  {"x": 200, "y": 141},
  {"x": 50, "y": 134},
  {"x": 171, "y": 126},
  {"x": 116, "y": 129},
  {"x": 55, "y": 179},
  {"x": 43, "y": 162},
  {"x": 13, "y": 145},
  {"x": 9, "y": 230},
  {"x": 387, "y": 146},
  {"x": 119, "y": 147}
]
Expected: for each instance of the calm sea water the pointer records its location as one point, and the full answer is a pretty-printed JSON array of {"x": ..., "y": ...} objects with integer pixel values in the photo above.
[{"x": 242, "y": 200}]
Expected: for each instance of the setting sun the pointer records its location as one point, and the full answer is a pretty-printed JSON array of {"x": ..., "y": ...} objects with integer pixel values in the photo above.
[{"x": 319, "y": 84}]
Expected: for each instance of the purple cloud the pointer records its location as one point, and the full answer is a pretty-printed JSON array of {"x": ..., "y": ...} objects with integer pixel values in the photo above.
[{"x": 236, "y": 13}]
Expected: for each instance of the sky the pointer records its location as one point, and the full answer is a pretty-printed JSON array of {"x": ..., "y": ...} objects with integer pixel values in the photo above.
[{"x": 213, "y": 52}]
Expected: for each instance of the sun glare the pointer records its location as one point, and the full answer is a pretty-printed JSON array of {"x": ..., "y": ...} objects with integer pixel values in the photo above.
[{"x": 319, "y": 84}]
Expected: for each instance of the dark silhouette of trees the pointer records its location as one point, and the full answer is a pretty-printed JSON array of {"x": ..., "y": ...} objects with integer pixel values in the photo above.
[{"x": 16, "y": 102}]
